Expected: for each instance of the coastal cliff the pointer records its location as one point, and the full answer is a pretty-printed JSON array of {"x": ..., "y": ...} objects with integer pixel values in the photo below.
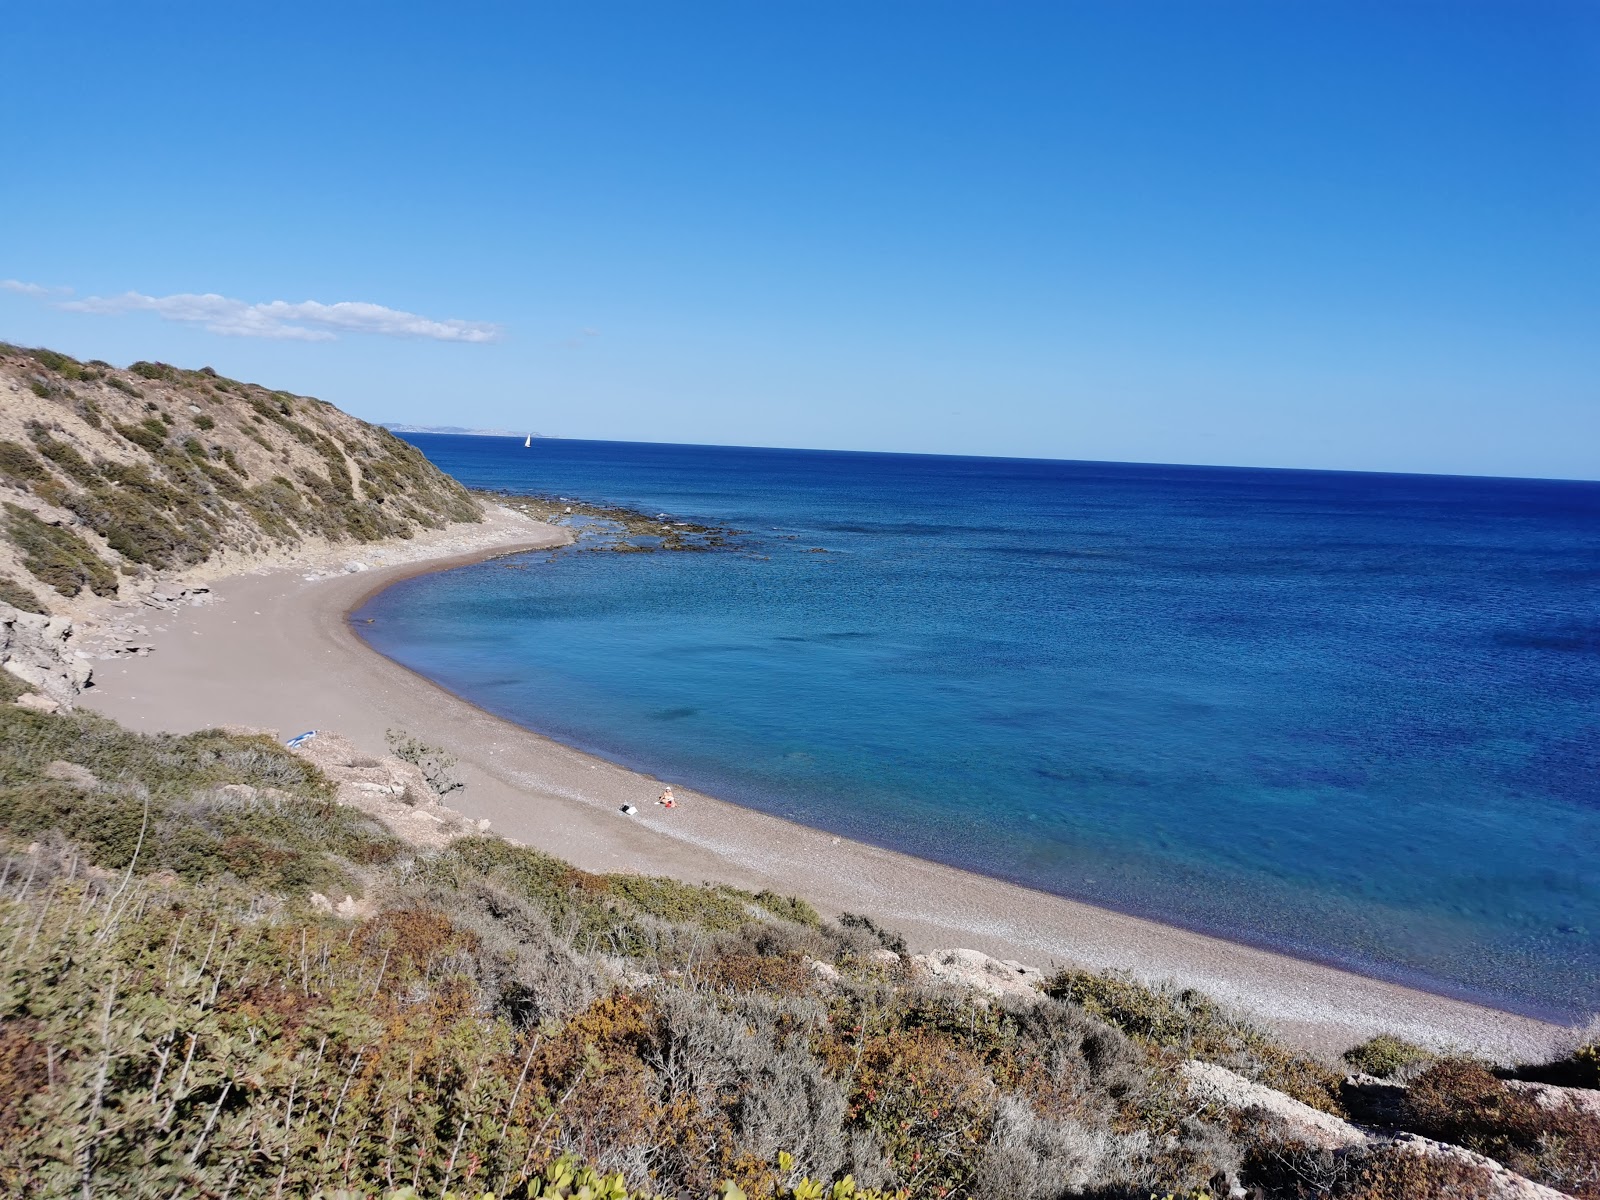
[
  {"x": 112, "y": 479},
  {"x": 115, "y": 482}
]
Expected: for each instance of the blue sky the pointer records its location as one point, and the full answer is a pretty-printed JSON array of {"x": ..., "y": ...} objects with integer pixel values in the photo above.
[{"x": 1288, "y": 233}]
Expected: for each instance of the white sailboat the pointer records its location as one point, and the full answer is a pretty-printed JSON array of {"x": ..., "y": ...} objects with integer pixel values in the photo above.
[{"x": 527, "y": 441}]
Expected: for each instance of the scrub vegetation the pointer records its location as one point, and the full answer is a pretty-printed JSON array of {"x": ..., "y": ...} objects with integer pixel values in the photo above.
[
  {"x": 183, "y": 1014},
  {"x": 106, "y": 473}
]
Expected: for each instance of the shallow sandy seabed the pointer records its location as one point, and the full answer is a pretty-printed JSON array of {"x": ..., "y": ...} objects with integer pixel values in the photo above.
[{"x": 275, "y": 650}]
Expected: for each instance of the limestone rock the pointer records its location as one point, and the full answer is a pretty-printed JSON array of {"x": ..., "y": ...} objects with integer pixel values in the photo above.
[
  {"x": 973, "y": 969},
  {"x": 388, "y": 788},
  {"x": 1549, "y": 1095},
  {"x": 1227, "y": 1089},
  {"x": 825, "y": 972},
  {"x": 40, "y": 651},
  {"x": 1506, "y": 1183}
]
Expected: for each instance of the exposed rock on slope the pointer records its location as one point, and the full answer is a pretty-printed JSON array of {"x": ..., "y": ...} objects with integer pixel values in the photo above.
[
  {"x": 388, "y": 788},
  {"x": 112, "y": 478},
  {"x": 1213, "y": 1084},
  {"x": 37, "y": 650},
  {"x": 975, "y": 970},
  {"x": 1503, "y": 1183}
]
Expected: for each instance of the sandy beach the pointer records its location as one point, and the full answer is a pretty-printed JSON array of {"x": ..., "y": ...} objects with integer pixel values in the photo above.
[{"x": 274, "y": 650}]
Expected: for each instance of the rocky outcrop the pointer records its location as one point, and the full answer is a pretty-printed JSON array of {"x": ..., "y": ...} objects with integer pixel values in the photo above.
[
  {"x": 1504, "y": 1183},
  {"x": 389, "y": 788},
  {"x": 1211, "y": 1084},
  {"x": 972, "y": 969},
  {"x": 41, "y": 652},
  {"x": 1373, "y": 1101},
  {"x": 1550, "y": 1096}
]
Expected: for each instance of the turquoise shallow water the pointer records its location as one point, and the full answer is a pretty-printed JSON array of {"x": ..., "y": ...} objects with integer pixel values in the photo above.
[{"x": 1352, "y": 717}]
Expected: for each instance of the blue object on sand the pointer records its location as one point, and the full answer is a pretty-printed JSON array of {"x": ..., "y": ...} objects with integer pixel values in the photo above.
[{"x": 300, "y": 739}]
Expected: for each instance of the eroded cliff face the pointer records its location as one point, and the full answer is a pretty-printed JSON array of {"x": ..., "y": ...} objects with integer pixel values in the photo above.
[
  {"x": 39, "y": 654},
  {"x": 112, "y": 481}
]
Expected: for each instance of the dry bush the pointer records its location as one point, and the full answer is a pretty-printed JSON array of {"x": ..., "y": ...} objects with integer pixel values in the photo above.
[
  {"x": 1031, "y": 1157},
  {"x": 1193, "y": 1025},
  {"x": 1462, "y": 1102},
  {"x": 1071, "y": 1064},
  {"x": 752, "y": 1064},
  {"x": 758, "y": 973}
]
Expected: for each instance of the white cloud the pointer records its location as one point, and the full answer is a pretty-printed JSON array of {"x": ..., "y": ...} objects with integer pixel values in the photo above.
[
  {"x": 31, "y": 289},
  {"x": 306, "y": 321}
]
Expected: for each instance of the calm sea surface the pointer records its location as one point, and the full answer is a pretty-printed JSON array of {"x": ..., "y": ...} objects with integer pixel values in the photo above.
[{"x": 1353, "y": 717}]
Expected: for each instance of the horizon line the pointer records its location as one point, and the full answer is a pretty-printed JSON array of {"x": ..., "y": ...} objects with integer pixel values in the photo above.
[{"x": 1119, "y": 462}]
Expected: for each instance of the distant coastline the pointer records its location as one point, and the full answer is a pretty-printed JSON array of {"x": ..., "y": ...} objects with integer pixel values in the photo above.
[{"x": 459, "y": 431}]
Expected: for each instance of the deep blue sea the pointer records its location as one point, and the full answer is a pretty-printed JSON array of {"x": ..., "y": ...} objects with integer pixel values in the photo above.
[{"x": 1353, "y": 717}]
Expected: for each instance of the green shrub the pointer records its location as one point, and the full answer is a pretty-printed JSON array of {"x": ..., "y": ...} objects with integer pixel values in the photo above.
[
  {"x": 1387, "y": 1056},
  {"x": 1192, "y": 1024},
  {"x": 161, "y": 795},
  {"x": 204, "y": 423},
  {"x": 63, "y": 455},
  {"x": 149, "y": 434},
  {"x": 789, "y": 908},
  {"x": 887, "y": 938},
  {"x": 19, "y": 467},
  {"x": 59, "y": 363},
  {"x": 90, "y": 412},
  {"x": 11, "y": 687},
  {"x": 58, "y": 557},
  {"x": 19, "y": 597},
  {"x": 669, "y": 900},
  {"x": 155, "y": 371}
]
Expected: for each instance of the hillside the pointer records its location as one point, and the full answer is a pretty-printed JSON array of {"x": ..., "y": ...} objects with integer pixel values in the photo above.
[
  {"x": 112, "y": 478},
  {"x": 219, "y": 980}
]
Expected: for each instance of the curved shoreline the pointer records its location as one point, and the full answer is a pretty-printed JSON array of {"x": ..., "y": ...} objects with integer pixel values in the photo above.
[{"x": 305, "y": 667}]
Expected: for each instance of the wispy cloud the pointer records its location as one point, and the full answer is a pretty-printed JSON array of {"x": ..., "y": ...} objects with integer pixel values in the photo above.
[
  {"x": 32, "y": 289},
  {"x": 305, "y": 321}
]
